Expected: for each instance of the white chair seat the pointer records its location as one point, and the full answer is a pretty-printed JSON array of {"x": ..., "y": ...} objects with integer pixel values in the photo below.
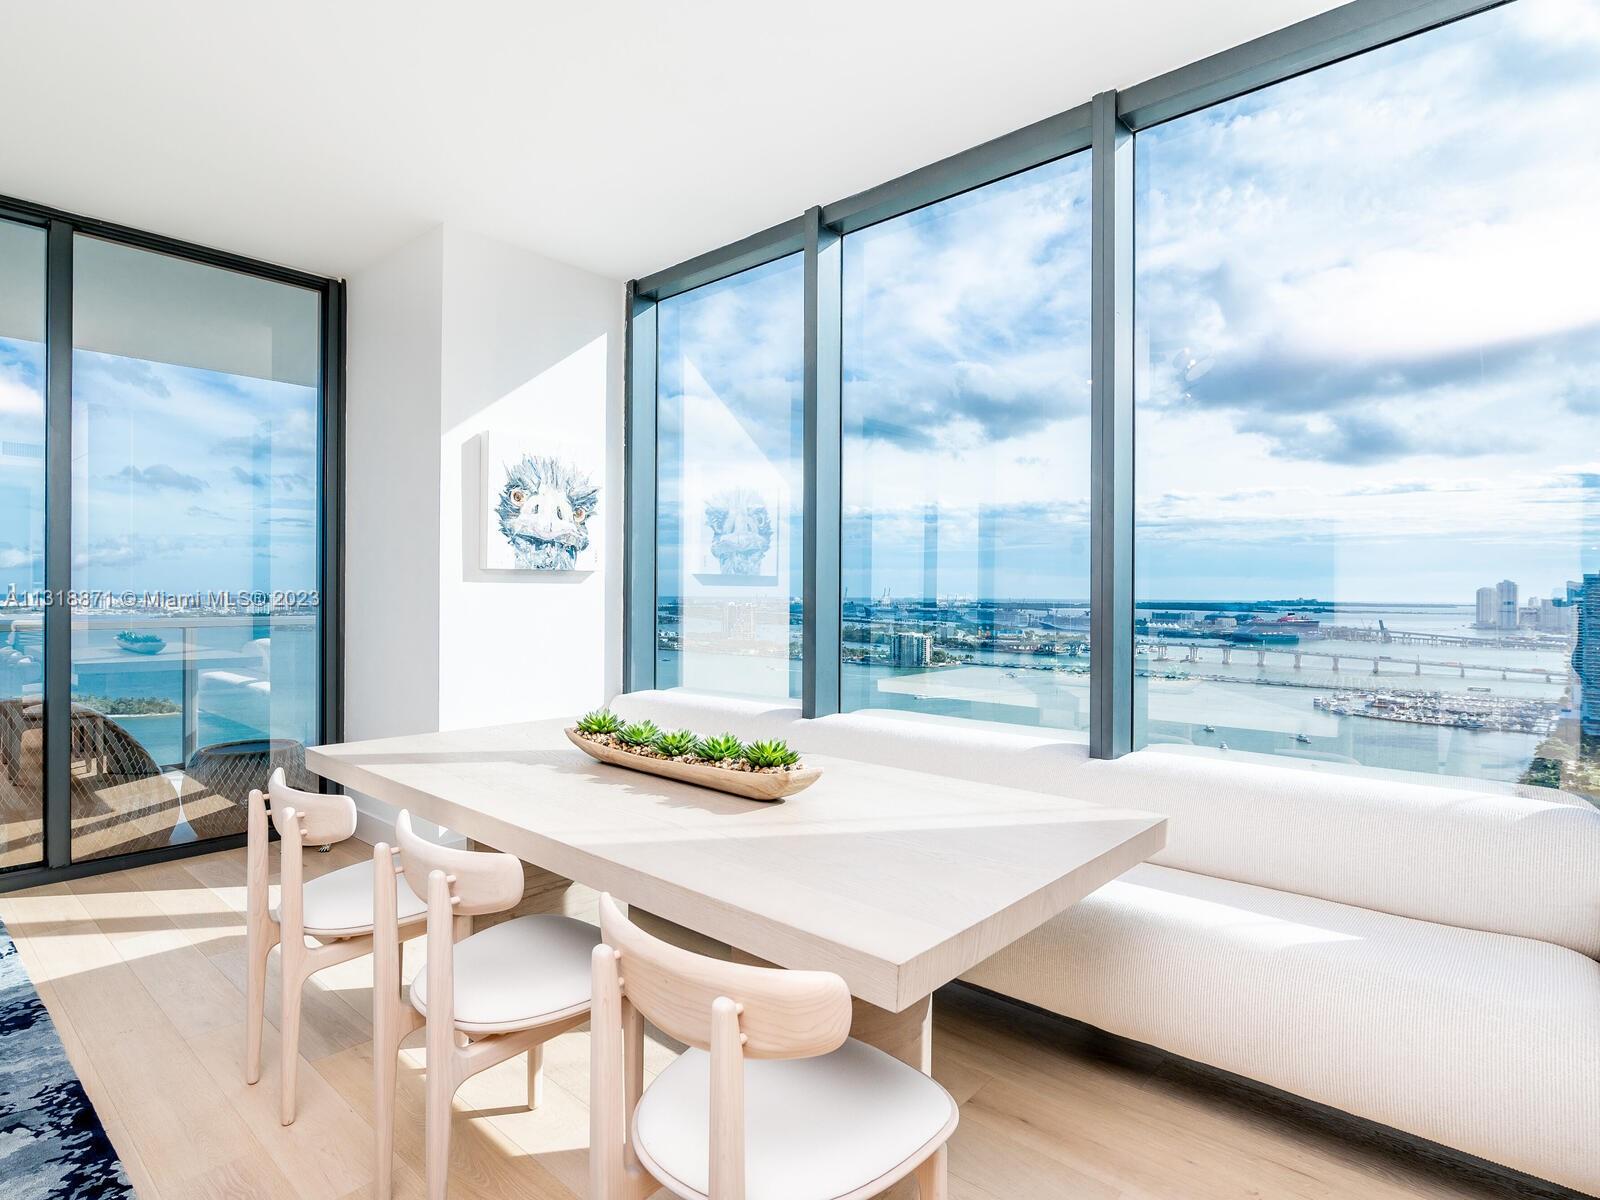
[
  {"x": 339, "y": 904},
  {"x": 518, "y": 974},
  {"x": 815, "y": 1128}
]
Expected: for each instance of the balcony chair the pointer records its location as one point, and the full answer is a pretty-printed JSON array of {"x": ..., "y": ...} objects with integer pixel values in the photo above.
[
  {"x": 483, "y": 997},
  {"x": 335, "y": 910},
  {"x": 772, "y": 1101}
]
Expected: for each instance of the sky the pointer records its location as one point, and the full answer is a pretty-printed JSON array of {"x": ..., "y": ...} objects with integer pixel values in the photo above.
[
  {"x": 1367, "y": 330},
  {"x": 184, "y": 480},
  {"x": 728, "y": 418},
  {"x": 1368, "y": 326}
]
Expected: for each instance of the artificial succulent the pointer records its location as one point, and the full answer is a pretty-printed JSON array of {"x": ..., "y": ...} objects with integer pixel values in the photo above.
[
  {"x": 767, "y": 754},
  {"x": 601, "y": 720},
  {"x": 639, "y": 734},
  {"x": 716, "y": 749},
  {"x": 676, "y": 745}
]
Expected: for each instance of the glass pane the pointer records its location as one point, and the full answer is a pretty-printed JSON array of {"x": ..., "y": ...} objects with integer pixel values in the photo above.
[
  {"x": 1368, "y": 477},
  {"x": 966, "y": 455},
  {"x": 729, "y": 490},
  {"x": 22, "y": 581},
  {"x": 195, "y": 499}
]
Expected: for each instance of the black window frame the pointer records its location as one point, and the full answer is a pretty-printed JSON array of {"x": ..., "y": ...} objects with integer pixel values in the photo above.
[{"x": 60, "y": 229}]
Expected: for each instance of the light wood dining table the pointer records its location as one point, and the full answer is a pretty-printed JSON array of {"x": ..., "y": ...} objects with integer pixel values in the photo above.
[{"x": 897, "y": 880}]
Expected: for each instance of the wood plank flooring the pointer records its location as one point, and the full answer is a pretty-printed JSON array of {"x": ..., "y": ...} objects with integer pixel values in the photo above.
[{"x": 143, "y": 970}]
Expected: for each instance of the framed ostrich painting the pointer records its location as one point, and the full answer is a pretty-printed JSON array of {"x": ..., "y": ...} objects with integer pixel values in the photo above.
[{"x": 539, "y": 505}]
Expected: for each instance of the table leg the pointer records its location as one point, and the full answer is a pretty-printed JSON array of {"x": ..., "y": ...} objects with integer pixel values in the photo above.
[{"x": 908, "y": 1035}]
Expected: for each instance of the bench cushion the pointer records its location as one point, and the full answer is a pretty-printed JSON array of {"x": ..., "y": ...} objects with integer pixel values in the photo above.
[
  {"x": 1480, "y": 860},
  {"x": 1489, "y": 860},
  {"x": 1477, "y": 1040}
]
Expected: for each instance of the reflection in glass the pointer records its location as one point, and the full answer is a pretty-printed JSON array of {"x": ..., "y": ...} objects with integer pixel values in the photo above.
[
  {"x": 22, "y": 556},
  {"x": 729, "y": 489},
  {"x": 1367, "y": 412},
  {"x": 195, "y": 551},
  {"x": 966, "y": 454}
]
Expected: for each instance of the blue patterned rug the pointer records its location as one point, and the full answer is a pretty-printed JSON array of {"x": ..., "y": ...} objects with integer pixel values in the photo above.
[{"x": 52, "y": 1145}]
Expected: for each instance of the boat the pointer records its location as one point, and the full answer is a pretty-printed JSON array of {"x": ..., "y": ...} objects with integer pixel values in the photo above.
[
  {"x": 1302, "y": 739},
  {"x": 1208, "y": 728}
]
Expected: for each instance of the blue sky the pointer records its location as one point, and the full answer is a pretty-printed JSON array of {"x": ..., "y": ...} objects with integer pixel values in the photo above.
[
  {"x": 1368, "y": 327},
  {"x": 729, "y": 379},
  {"x": 183, "y": 479},
  {"x": 1368, "y": 338}
]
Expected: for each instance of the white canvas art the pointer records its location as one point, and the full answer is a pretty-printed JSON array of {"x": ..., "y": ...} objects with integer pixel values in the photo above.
[{"x": 539, "y": 504}]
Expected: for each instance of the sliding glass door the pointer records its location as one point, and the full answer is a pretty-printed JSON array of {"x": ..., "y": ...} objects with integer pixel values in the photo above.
[
  {"x": 195, "y": 418},
  {"x": 168, "y": 532},
  {"x": 22, "y": 544}
]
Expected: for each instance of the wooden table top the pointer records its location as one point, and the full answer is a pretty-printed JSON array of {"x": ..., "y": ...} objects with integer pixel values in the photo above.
[{"x": 897, "y": 880}]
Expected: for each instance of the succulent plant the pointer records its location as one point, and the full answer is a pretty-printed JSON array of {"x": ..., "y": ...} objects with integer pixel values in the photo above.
[
  {"x": 601, "y": 720},
  {"x": 715, "y": 749},
  {"x": 676, "y": 745},
  {"x": 639, "y": 734},
  {"x": 770, "y": 754}
]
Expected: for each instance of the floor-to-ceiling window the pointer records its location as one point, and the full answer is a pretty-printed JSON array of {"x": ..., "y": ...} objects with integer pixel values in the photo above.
[
  {"x": 729, "y": 490},
  {"x": 1349, "y": 271},
  {"x": 965, "y": 401},
  {"x": 167, "y": 633},
  {"x": 22, "y": 549},
  {"x": 1368, "y": 418},
  {"x": 195, "y": 649}
]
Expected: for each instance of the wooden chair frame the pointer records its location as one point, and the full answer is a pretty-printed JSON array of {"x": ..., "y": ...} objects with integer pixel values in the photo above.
[
  {"x": 733, "y": 1011},
  {"x": 301, "y": 818},
  {"x": 470, "y": 888}
]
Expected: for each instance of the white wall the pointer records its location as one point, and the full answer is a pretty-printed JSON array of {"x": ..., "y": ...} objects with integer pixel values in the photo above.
[
  {"x": 392, "y": 365},
  {"x": 532, "y": 346},
  {"x": 450, "y": 335}
]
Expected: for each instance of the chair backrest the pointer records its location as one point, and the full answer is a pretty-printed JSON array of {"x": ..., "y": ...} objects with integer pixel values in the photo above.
[
  {"x": 782, "y": 1014},
  {"x": 324, "y": 819},
  {"x": 482, "y": 882}
]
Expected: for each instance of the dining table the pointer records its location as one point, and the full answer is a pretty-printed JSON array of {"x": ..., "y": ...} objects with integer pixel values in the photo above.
[{"x": 898, "y": 880}]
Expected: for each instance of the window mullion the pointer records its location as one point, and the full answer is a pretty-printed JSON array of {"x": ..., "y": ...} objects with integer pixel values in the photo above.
[
  {"x": 1111, "y": 420},
  {"x": 639, "y": 536},
  {"x": 821, "y": 590}
]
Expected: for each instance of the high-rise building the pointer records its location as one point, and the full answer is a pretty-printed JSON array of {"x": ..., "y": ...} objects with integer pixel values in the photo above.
[
  {"x": 1586, "y": 654},
  {"x": 1506, "y": 604},
  {"x": 1554, "y": 616},
  {"x": 911, "y": 650},
  {"x": 1488, "y": 609}
]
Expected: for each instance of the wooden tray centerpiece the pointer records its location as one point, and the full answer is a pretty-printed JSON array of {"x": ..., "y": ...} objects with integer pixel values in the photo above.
[{"x": 766, "y": 770}]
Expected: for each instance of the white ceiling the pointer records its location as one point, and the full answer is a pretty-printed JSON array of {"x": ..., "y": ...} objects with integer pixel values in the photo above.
[{"x": 617, "y": 135}]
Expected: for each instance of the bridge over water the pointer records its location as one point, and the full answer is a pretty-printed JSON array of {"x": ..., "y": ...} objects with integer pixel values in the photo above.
[{"x": 1190, "y": 652}]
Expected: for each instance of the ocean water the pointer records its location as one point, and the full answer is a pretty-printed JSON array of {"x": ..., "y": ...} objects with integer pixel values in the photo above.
[
  {"x": 1250, "y": 707},
  {"x": 223, "y": 660}
]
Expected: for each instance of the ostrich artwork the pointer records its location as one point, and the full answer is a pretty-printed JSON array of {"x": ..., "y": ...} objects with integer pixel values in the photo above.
[
  {"x": 741, "y": 530},
  {"x": 544, "y": 511}
]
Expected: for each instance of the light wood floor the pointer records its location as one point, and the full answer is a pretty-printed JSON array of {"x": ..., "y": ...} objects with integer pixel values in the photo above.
[{"x": 142, "y": 972}]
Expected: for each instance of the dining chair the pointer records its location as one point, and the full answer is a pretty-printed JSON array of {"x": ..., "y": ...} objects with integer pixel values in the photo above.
[
  {"x": 484, "y": 997},
  {"x": 772, "y": 1100},
  {"x": 334, "y": 910}
]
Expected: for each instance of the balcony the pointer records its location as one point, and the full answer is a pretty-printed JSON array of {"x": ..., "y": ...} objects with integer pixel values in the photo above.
[{"x": 174, "y": 719}]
